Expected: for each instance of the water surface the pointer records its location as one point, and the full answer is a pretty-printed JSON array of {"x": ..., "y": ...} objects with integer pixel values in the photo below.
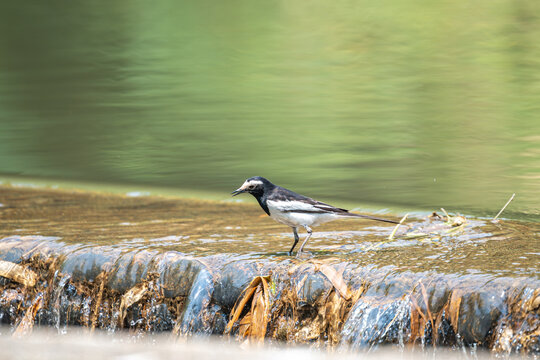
[
  {"x": 166, "y": 264},
  {"x": 393, "y": 104},
  {"x": 230, "y": 231}
]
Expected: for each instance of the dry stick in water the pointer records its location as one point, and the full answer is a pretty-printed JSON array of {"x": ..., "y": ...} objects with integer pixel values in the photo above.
[
  {"x": 95, "y": 316},
  {"x": 18, "y": 273},
  {"x": 504, "y": 207},
  {"x": 445, "y": 213},
  {"x": 398, "y": 225},
  {"x": 391, "y": 237}
]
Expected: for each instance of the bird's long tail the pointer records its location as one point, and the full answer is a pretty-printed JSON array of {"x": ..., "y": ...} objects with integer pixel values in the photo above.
[{"x": 371, "y": 218}]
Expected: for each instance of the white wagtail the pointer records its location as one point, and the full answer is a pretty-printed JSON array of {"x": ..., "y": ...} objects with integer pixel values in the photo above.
[{"x": 295, "y": 210}]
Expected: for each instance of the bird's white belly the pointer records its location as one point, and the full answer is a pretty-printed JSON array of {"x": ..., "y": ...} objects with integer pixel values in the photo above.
[{"x": 295, "y": 219}]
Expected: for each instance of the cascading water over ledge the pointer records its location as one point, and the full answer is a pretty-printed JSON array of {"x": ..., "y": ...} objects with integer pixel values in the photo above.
[{"x": 364, "y": 293}]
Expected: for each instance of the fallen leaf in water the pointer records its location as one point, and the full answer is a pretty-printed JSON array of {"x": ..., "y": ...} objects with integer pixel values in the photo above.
[
  {"x": 336, "y": 278},
  {"x": 100, "y": 279},
  {"x": 437, "y": 226},
  {"x": 259, "y": 315},
  {"x": 239, "y": 306},
  {"x": 334, "y": 315},
  {"x": 252, "y": 325},
  {"x": 418, "y": 321},
  {"x": 426, "y": 301},
  {"x": 453, "y": 309}
]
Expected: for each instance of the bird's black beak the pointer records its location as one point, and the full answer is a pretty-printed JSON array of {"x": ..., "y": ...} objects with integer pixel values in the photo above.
[{"x": 238, "y": 191}]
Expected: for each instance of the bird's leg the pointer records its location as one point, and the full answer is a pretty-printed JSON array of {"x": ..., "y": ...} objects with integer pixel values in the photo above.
[
  {"x": 309, "y": 232},
  {"x": 295, "y": 240}
]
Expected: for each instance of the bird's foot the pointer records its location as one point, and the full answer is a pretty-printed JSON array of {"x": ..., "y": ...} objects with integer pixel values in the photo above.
[{"x": 302, "y": 255}]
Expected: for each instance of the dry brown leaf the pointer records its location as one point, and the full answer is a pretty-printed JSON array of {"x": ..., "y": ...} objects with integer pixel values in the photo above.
[
  {"x": 255, "y": 322},
  {"x": 418, "y": 321},
  {"x": 334, "y": 315},
  {"x": 18, "y": 273},
  {"x": 244, "y": 326},
  {"x": 101, "y": 278},
  {"x": 453, "y": 309},
  {"x": 259, "y": 317},
  {"x": 336, "y": 278},
  {"x": 426, "y": 301}
]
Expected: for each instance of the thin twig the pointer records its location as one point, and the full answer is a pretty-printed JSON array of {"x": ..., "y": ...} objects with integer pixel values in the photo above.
[
  {"x": 445, "y": 213},
  {"x": 504, "y": 207},
  {"x": 395, "y": 229}
]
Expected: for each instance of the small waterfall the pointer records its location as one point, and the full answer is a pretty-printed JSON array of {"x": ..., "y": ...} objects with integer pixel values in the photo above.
[
  {"x": 197, "y": 317},
  {"x": 322, "y": 303},
  {"x": 376, "y": 321}
]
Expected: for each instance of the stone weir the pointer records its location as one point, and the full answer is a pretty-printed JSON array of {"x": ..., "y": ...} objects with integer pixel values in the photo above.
[{"x": 151, "y": 265}]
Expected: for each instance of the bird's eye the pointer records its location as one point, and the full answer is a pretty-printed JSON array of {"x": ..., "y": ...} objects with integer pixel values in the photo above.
[{"x": 251, "y": 187}]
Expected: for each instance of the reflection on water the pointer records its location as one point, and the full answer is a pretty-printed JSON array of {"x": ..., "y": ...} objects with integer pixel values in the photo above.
[{"x": 400, "y": 103}]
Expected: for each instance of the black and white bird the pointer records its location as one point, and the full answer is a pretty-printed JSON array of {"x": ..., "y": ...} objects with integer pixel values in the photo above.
[{"x": 295, "y": 210}]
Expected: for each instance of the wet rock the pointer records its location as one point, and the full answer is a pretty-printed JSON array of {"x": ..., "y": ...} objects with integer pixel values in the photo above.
[
  {"x": 196, "y": 318},
  {"x": 375, "y": 321},
  {"x": 88, "y": 263},
  {"x": 129, "y": 269},
  {"x": 177, "y": 273},
  {"x": 519, "y": 329},
  {"x": 232, "y": 280},
  {"x": 478, "y": 315},
  {"x": 18, "y": 248},
  {"x": 312, "y": 288}
]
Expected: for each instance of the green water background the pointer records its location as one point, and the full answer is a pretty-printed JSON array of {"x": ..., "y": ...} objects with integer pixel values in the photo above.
[{"x": 397, "y": 103}]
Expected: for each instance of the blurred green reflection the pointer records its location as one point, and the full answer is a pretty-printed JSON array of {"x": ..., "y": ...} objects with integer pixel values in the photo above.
[{"x": 399, "y": 103}]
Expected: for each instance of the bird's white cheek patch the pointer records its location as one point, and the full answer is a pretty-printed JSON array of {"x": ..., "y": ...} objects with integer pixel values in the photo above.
[{"x": 249, "y": 183}]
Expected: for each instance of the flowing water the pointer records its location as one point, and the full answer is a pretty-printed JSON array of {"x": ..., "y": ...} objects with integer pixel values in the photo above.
[{"x": 163, "y": 264}]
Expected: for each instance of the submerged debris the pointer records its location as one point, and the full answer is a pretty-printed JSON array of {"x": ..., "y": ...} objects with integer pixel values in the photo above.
[
  {"x": 18, "y": 273},
  {"x": 397, "y": 226},
  {"x": 132, "y": 296},
  {"x": 519, "y": 330},
  {"x": 254, "y": 323},
  {"x": 312, "y": 305},
  {"x": 26, "y": 324},
  {"x": 438, "y": 226}
]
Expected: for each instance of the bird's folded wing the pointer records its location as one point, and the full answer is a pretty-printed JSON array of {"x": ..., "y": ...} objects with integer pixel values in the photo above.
[
  {"x": 305, "y": 206},
  {"x": 330, "y": 208}
]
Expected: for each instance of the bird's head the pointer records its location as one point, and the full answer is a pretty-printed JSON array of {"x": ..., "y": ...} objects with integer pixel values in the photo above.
[{"x": 255, "y": 186}]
